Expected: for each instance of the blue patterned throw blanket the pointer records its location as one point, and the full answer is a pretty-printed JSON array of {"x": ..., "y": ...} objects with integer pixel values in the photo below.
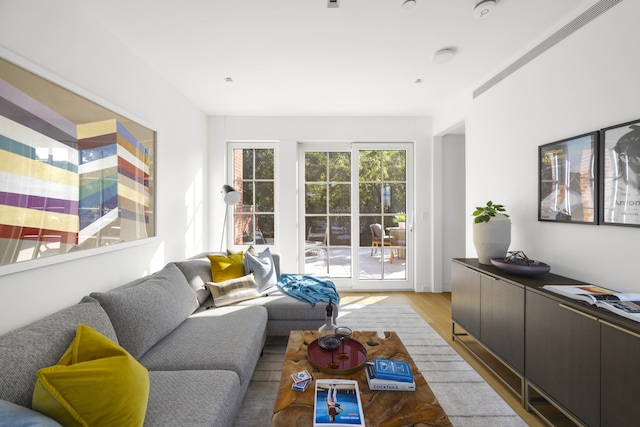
[{"x": 308, "y": 288}]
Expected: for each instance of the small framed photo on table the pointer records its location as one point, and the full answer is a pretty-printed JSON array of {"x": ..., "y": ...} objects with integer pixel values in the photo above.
[
  {"x": 567, "y": 180},
  {"x": 620, "y": 175}
]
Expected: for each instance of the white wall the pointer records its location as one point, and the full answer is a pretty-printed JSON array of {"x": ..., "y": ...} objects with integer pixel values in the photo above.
[
  {"x": 61, "y": 43},
  {"x": 588, "y": 81},
  {"x": 452, "y": 204},
  {"x": 288, "y": 131}
]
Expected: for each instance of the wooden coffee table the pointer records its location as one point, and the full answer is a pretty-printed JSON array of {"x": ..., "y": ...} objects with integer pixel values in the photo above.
[{"x": 381, "y": 408}]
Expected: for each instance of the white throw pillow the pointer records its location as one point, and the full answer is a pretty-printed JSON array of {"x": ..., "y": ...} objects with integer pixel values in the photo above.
[{"x": 233, "y": 290}]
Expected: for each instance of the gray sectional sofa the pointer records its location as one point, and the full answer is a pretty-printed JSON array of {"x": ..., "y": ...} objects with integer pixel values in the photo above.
[{"x": 200, "y": 359}]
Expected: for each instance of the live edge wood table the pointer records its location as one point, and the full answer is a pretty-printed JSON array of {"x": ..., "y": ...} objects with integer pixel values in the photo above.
[{"x": 381, "y": 408}]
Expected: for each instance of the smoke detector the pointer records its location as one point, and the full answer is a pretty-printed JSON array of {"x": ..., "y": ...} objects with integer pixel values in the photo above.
[
  {"x": 443, "y": 55},
  {"x": 484, "y": 8},
  {"x": 408, "y": 4}
]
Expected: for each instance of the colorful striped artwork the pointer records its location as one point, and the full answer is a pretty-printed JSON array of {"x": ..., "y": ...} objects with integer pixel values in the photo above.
[
  {"x": 67, "y": 186},
  {"x": 114, "y": 174}
]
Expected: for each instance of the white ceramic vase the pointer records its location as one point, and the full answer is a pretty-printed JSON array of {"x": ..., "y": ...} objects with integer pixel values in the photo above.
[{"x": 492, "y": 239}]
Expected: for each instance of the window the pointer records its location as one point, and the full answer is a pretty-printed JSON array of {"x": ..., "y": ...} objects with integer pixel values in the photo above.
[
  {"x": 253, "y": 176},
  {"x": 327, "y": 181}
]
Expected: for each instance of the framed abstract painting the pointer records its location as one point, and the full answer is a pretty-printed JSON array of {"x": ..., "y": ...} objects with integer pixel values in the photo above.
[{"x": 74, "y": 175}]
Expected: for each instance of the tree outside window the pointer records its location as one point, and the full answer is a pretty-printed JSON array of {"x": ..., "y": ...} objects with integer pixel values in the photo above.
[{"x": 328, "y": 197}]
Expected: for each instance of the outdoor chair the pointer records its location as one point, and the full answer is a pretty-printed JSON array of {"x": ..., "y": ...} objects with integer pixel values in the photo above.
[
  {"x": 316, "y": 242},
  {"x": 378, "y": 238}
]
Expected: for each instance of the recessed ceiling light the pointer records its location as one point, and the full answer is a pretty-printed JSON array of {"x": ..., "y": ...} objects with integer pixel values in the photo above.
[
  {"x": 228, "y": 79},
  {"x": 333, "y": 3},
  {"x": 408, "y": 4},
  {"x": 443, "y": 56}
]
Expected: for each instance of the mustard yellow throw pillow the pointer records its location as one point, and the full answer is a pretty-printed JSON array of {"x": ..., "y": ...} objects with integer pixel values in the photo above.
[
  {"x": 95, "y": 383},
  {"x": 226, "y": 267}
]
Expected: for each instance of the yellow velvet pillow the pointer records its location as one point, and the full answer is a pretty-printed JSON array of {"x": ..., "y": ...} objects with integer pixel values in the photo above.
[
  {"x": 225, "y": 268},
  {"x": 95, "y": 383}
]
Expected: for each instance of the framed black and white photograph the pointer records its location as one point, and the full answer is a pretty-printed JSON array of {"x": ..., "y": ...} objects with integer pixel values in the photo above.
[
  {"x": 620, "y": 175},
  {"x": 567, "y": 188}
]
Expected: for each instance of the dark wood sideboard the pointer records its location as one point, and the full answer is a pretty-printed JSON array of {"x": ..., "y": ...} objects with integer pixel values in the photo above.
[{"x": 569, "y": 362}]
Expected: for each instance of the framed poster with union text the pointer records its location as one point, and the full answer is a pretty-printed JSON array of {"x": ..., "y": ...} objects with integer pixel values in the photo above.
[{"x": 620, "y": 175}]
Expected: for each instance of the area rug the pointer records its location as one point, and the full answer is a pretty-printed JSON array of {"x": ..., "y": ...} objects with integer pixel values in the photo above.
[{"x": 465, "y": 396}]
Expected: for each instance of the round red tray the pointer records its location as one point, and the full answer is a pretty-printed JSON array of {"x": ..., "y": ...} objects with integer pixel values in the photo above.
[{"x": 346, "y": 359}]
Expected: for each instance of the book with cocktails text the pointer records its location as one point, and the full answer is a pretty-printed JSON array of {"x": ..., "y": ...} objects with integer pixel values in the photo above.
[
  {"x": 395, "y": 370},
  {"x": 378, "y": 384}
]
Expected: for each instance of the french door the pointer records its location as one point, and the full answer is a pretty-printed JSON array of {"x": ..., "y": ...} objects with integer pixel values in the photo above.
[{"x": 356, "y": 221}]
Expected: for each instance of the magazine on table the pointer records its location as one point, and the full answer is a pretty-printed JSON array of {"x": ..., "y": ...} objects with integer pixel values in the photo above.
[
  {"x": 337, "y": 403},
  {"x": 625, "y": 304},
  {"x": 376, "y": 383},
  {"x": 628, "y": 309}
]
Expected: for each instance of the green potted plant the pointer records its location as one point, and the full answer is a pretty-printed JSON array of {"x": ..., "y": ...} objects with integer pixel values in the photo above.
[
  {"x": 401, "y": 219},
  {"x": 491, "y": 232}
]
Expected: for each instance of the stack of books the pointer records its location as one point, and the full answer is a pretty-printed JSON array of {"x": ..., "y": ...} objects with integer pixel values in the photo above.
[{"x": 390, "y": 375}]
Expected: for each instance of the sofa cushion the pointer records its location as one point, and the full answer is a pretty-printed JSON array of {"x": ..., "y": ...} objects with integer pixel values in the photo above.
[
  {"x": 193, "y": 398},
  {"x": 262, "y": 267},
  {"x": 197, "y": 272},
  {"x": 227, "y": 338},
  {"x": 234, "y": 290},
  {"x": 18, "y": 416},
  {"x": 42, "y": 343},
  {"x": 225, "y": 267},
  {"x": 145, "y": 313},
  {"x": 209, "y": 278},
  {"x": 284, "y": 307},
  {"x": 95, "y": 382}
]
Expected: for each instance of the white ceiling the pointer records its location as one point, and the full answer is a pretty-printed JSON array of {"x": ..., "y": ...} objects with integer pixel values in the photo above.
[{"x": 301, "y": 58}]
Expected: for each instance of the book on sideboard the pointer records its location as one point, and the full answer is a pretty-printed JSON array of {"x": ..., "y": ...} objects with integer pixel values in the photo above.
[
  {"x": 337, "y": 403},
  {"x": 379, "y": 384},
  {"x": 624, "y": 304}
]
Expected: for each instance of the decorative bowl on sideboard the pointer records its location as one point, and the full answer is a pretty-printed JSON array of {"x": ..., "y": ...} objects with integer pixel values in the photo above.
[{"x": 518, "y": 263}]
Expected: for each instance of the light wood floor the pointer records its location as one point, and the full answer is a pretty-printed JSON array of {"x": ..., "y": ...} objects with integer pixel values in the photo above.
[{"x": 435, "y": 309}]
